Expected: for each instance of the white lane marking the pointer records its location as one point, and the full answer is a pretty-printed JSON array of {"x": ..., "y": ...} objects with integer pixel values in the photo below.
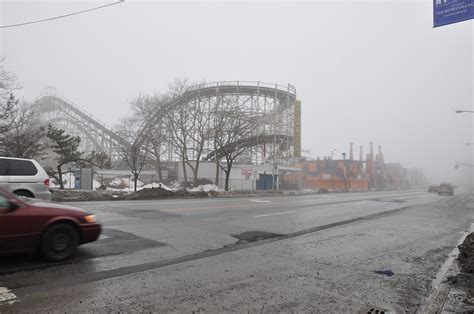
[
  {"x": 6, "y": 296},
  {"x": 284, "y": 213},
  {"x": 103, "y": 237},
  {"x": 259, "y": 201}
]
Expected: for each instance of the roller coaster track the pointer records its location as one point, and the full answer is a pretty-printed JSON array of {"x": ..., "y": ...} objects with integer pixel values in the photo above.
[
  {"x": 94, "y": 133},
  {"x": 253, "y": 88},
  {"x": 282, "y": 99},
  {"x": 262, "y": 98}
]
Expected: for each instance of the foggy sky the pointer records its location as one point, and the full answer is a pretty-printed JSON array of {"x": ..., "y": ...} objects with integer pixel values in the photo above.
[{"x": 363, "y": 70}]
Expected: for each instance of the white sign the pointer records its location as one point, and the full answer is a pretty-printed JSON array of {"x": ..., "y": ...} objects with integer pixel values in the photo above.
[{"x": 247, "y": 172}]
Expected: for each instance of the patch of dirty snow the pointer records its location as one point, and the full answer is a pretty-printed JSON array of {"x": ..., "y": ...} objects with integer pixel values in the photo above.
[{"x": 205, "y": 188}]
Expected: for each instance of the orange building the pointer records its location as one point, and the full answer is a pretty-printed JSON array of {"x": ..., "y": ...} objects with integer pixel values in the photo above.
[
  {"x": 350, "y": 174},
  {"x": 329, "y": 174}
]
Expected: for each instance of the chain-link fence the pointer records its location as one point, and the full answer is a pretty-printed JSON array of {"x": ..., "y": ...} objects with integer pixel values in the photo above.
[
  {"x": 234, "y": 184},
  {"x": 124, "y": 180}
]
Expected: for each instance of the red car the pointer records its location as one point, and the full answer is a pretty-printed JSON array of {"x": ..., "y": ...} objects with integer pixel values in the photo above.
[{"x": 55, "y": 230}]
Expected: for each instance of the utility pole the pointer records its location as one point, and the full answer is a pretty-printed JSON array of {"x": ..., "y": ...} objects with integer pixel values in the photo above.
[
  {"x": 460, "y": 163},
  {"x": 332, "y": 168},
  {"x": 345, "y": 176}
]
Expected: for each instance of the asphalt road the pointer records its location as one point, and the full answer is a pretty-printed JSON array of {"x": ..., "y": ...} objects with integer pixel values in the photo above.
[{"x": 297, "y": 253}]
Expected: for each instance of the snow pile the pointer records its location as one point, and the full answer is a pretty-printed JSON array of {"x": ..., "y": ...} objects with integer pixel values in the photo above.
[
  {"x": 205, "y": 188},
  {"x": 123, "y": 186},
  {"x": 124, "y": 183},
  {"x": 156, "y": 185},
  {"x": 52, "y": 184},
  {"x": 96, "y": 185},
  {"x": 118, "y": 182},
  {"x": 68, "y": 181},
  {"x": 175, "y": 185},
  {"x": 121, "y": 190}
]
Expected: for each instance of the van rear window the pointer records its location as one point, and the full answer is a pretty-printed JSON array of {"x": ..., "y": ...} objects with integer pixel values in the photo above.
[{"x": 20, "y": 168}]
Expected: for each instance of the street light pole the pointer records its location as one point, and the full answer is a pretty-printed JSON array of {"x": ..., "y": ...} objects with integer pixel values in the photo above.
[
  {"x": 345, "y": 177},
  {"x": 460, "y": 163},
  {"x": 332, "y": 168},
  {"x": 463, "y": 164}
]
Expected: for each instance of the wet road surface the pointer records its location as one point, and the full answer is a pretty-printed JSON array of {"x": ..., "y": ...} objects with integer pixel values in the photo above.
[{"x": 301, "y": 253}]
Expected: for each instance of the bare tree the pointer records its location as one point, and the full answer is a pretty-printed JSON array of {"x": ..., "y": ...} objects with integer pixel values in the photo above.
[
  {"x": 24, "y": 139},
  {"x": 218, "y": 125},
  {"x": 8, "y": 82},
  {"x": 150, "y": 111},
  {"x": 190, "y": 129},
  {"x": 135, "y": 156},
  {"x": 7, "y": 111},
  {"x": 199, "y": 134},
  {"x": 19, "y": 135},
  {"x": 189, "y": 125},
  {"x": 231, "y": 136},
  {"x": 136, "y": 153},
  {"x": 8, "y": 102},
  {"x": 169, "y": 121},
  {"x": 178, "y": 118}
]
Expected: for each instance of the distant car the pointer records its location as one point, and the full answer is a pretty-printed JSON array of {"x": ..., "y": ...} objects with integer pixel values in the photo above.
[
  {"x": 446, "y": 189},
  {"x": 24, "y": 177},
  {"x": 53, "y": 230},
  {"x": 433, "y": 188}
]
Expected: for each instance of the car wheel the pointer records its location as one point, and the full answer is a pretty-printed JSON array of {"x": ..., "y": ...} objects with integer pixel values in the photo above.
[
  {"x": 59, "y": 242},
  {"x": 24, "y": 193}
]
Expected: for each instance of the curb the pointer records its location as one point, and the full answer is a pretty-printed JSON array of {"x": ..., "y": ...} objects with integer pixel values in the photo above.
[{"x": 436, "y": 301}]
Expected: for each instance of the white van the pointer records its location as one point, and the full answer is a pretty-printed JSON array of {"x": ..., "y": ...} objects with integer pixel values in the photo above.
[{"x": 24, "y": 177}]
